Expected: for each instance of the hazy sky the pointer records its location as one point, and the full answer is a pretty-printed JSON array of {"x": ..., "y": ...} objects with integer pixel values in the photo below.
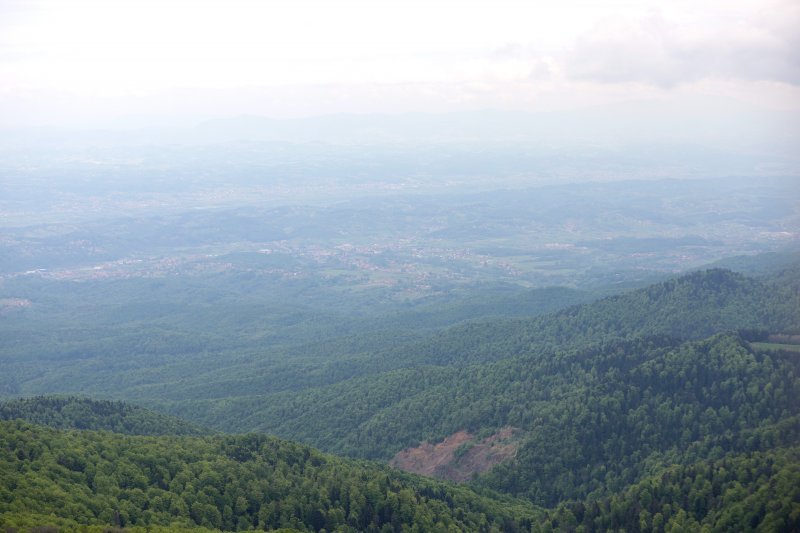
[{"x": 87, "y": 63}]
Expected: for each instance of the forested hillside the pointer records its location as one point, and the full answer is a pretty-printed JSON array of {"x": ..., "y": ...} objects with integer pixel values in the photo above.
[
  {"x": 670, "y": 406},
  {"x": 71, "y": 480},
  {"x": 692, "y": 306},
  {"x": 628, "y": 409},
  {"x": 69, "y": 412},
  {"x": 741, "y": 492},
  {"x": 594, "y": 419},
  {"x": 67, "y": 478},
  {"x": 372, "y": 380}
]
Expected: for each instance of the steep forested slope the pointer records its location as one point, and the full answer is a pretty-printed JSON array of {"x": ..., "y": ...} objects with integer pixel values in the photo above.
[
  {"x": 627, "y": 410},
  {"x": 741, "y": 492},
  {"x": 594, "y": 419},
  {"x": 242, "y": 482},
  {"x": 69, "y": 412}
]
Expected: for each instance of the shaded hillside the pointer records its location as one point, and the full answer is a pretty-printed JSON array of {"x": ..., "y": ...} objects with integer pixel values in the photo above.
[
  {"x": 692, "y": 306},
  {"x": 236, "y": 360},
  {"x": 762, "y": 265},
  {"x": 228, "y": 483},
  {"x": 487, "y": 304},
  {"x": 593, "y": 420},
  {"x": 66, "y": 412},
  {"x": 599, "y": 420},
  {"x": 743, "y": 492},
  {"x": 378, "y": 380}
]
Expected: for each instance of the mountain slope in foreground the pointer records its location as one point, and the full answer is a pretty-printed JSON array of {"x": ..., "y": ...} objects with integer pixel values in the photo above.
[
  {"x": 71, "y": 478},
  {"x": 55, "y": 480}
]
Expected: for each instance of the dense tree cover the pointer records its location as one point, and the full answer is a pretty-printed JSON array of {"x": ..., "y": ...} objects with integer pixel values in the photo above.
[
  {"x": 605, "y": 395},
  {"x": 748, "y": 492},
  {"x": 31, "y": 522},
  {"x": 227, "y": 482},
  {"x": 70, "y": 412},
  {"x": 89, "y": 481},
  {"x": 252, "y": 395},
  {"x": 621, "y": 411},
  {"x": 186, "y": 350},
  {"x": 692, "y": 306},
  {"x": 593, "y": 420}
]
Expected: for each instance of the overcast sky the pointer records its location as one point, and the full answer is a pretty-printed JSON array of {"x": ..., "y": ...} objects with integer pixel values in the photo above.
[{"x": 88, "y": 63}]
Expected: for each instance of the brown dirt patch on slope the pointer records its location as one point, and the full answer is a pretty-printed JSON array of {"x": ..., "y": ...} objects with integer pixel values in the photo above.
[{"x": 458, "y": 456}]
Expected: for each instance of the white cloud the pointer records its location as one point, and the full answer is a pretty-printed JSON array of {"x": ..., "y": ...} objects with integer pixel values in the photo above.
[
  {"x": 664, "y": 52},
  {"x": 73, "y": 60}
]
